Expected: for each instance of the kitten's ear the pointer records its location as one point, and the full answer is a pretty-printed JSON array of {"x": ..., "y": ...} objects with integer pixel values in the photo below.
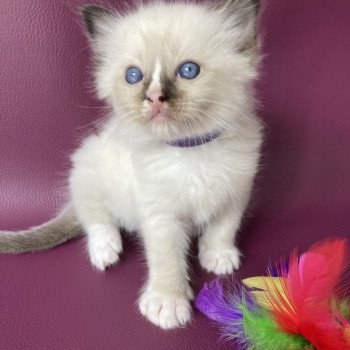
[
  {"x": 243, "y": 15},
  {"x": 96, "y": 19}
]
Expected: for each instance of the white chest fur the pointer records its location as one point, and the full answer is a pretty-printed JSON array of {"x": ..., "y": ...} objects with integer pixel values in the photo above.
[
  {"x": 143, "y": 179},
  {"x": 187, "y": 182}
]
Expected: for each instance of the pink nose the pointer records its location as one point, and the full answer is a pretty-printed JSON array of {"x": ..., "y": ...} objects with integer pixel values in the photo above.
[{"x": 155, "y": 97}]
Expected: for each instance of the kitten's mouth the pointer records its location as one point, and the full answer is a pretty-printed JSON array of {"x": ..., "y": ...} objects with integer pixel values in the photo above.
[
  {"x": 161, "y": 116},
  {"x": 159, "y": 113}
]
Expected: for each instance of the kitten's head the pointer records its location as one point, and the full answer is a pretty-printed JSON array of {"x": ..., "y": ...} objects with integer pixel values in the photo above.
[{"x": 176, "y": 68}]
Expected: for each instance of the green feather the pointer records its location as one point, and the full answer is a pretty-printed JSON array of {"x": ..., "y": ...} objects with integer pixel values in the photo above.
[
  {"x": 262, "y": 333},
  {"x": 344, "y": 308}
]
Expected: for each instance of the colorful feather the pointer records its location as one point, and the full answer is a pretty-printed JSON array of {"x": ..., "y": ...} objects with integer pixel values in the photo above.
[
  {"x": 242, "y": 321},
  {"x": 263, "y": 333},
  {"x": 304, "y": 305},
  {"x": 300, "y": 305}
]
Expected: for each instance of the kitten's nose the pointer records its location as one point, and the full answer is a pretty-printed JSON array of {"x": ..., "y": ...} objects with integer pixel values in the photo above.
[
  {"x": 155, "y": 96},
  {"x": 155, "y": 99}
]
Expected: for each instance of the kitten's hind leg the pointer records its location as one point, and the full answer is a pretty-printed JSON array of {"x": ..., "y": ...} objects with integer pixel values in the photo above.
[
  {"x": 104, "y": 245},
  {"x": 104, "y": 240},
  {"x": 217, "y": 250}
]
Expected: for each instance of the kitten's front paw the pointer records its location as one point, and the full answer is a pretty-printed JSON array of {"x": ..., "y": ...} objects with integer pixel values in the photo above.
[
  {"x": 165, "y": 310},
  {"x": 105, "y": 245},
  {"x": 220, "y": 261}
]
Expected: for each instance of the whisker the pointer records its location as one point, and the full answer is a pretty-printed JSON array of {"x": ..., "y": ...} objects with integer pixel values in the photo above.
[{"x": 221, "y": 122}]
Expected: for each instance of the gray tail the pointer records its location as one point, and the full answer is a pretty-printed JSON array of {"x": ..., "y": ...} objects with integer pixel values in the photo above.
[{"x": 62, "y": 228}]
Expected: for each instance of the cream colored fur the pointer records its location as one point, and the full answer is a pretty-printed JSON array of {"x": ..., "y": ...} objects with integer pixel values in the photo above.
[{"x": 126, "y": 175}]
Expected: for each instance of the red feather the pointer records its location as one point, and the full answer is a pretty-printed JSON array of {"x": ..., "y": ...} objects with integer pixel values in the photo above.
[{"x": 309, "y": 285}]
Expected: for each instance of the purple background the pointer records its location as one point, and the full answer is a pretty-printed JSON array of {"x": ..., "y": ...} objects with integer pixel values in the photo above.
[{"x": 54, "y": 300}]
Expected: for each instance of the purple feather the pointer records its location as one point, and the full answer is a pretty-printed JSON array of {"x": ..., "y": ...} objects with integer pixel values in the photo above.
[
  {"x": 274, "y": 270},
  {"x": 211, "y": 301},
  {"x": 225, "y": 308}
]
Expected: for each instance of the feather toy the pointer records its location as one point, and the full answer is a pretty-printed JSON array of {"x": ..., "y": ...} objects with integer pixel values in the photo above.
[
  {"x": 308, "y": 286},
  {"x": 297, "y": 306}
]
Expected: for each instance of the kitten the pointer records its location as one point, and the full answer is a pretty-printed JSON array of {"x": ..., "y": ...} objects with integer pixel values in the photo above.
[{"x": 180, "y": 151}]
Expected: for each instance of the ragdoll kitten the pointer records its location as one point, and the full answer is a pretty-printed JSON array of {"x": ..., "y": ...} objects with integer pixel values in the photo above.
[{"x": 180, "y": 151}]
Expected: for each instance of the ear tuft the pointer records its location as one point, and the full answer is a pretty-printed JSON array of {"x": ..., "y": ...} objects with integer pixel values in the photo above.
[
  {"x": 94, "y": 14},
  {"x": 247, "y": 6},
  {"x": 243, "y": 15}
]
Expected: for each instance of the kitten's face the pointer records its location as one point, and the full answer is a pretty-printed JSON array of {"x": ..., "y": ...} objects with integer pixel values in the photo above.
[{"x": 175, "y": 69}]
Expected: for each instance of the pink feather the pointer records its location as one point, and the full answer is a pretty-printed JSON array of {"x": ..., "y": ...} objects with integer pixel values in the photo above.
[{"x": 309, "y": 285}]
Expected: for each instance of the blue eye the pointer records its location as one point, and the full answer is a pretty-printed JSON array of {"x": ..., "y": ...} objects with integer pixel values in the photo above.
[
  {"x": 188, "y": 70},
  {"x": 133, "y": 75}
]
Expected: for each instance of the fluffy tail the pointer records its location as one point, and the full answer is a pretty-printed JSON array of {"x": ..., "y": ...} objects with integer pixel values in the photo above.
[{"x": 62, "y": 228}]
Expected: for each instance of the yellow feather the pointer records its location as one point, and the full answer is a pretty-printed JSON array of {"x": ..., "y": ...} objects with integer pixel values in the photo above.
[{"x": 272, "y": 284}]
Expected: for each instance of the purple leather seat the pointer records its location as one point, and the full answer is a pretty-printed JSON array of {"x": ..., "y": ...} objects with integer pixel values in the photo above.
[{"x": 55, "y": 300}]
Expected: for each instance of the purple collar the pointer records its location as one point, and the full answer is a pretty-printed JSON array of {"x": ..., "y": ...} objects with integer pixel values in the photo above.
[{"x": 196, "y": 140}]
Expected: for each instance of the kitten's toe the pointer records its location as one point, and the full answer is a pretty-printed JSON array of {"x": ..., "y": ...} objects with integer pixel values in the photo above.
[
  {"x": 165, "y": 310},
  {"x": 220, "y": 261},
  {"x": 104, "y": 250}
]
